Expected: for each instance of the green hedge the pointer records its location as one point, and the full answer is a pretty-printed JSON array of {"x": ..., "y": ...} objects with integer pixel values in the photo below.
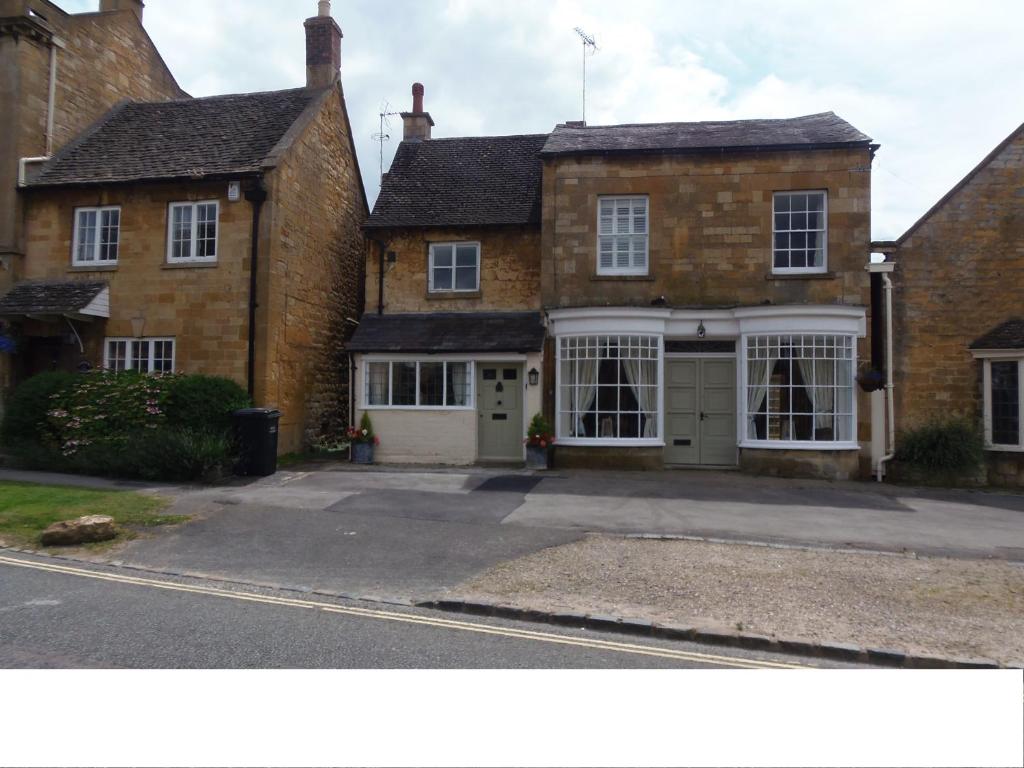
[
  {"x": 25, "y": 411},
  {"x": 953, "y": 447},
  {"x": 204, "y": 402}
]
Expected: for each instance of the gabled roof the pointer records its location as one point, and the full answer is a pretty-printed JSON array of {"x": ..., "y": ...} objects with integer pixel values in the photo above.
[
  {"x": 183, "y": 139},
  {"x": 824, "y": 130},
  {"x": 1009, "y": 335},
  {"x": 56, "y": 298},
  {"x": 476, "y": 181},
  {"x": 449, "y": 332},
  {"x": 1018, "y": 131}
]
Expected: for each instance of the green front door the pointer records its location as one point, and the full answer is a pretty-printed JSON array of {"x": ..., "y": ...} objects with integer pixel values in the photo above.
[
  {"x": 700, "y": 412},
  {"x": 499, "y": 388}
]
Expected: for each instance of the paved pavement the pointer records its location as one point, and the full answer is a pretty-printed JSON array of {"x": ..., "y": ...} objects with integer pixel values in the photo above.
[{"x": 60, "y": 614}]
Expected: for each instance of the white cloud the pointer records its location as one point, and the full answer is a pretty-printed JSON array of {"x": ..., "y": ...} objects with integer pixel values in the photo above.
[{"x": 937, "y": 84}]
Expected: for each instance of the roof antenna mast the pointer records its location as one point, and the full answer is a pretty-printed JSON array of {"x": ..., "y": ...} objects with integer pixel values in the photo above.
[
  {"x": 589, "y": 44},
  {"x": 383, "y": 135}
]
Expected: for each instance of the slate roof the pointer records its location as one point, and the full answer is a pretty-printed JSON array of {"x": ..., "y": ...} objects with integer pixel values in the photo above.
[
  {"x": 475, "y": 181},
  {"x": 186, "y": 138},
  {"x": 49, "y": 298},
  {"x": 450, "y": 332},
  {"x": 1009, "y": 335},
  {"x": 810, "y": 131}
]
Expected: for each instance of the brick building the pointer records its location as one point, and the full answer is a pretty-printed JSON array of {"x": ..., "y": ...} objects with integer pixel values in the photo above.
[
  {"x": 688, "y": 294},
  {"x": 958, "y": 328},
  {"x": 217, "y": 235}
]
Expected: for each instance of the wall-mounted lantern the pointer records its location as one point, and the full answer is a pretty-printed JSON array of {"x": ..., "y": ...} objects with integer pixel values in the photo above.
[
  {"x": 701, "y": 330},
  {"x": 534, "y": 375}
]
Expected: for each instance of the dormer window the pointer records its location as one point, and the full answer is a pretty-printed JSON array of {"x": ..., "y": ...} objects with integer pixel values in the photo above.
[
  {"x": 454, "y": 268},
  {"x": 97, "y": 236},
  {"x": 800, "y": 232},
  {"x": 192, "y": 232},
  {"x": 622, "y": 236}
]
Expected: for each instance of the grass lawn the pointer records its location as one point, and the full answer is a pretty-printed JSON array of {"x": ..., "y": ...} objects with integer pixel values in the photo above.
[{"x": 26, "y": 510}]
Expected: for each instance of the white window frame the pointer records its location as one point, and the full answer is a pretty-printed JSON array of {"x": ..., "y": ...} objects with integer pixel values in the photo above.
[
  {"x": 192, "y": 258},
  {"x": 75, "y": 240},
  {"x": 129, "y": 363},
  {"x": 454, "y": 245},
  {"x": 659, "y": 420},
  {"x": 824, "y": 234},
  {"x": 1003, "y": 356},
  {"x": 615, "y": 233},
  {"x": 390, "y": 362},
  {"x": 817, "y": 445}
]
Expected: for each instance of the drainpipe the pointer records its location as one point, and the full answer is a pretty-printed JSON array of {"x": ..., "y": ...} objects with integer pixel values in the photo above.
[
  {"x": 383, "y": 247},
  {"x": 52, "y": 98},
  {"x": 889, "y": 386},
  {"x": 256, "y": 196}
]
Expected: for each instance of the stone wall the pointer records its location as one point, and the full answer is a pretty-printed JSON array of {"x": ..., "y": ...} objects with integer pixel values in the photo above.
[
  {"x": 710, "y": 228},
  {"x": 311, "y": 280},
  {"x": 509, "y": 276},
  {"x": 204, "y": 307},
  {"x": 959, "y": 274}
]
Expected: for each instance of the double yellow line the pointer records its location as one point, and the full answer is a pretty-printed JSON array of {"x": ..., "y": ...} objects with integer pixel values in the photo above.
[{"x": 407, "y": 618}]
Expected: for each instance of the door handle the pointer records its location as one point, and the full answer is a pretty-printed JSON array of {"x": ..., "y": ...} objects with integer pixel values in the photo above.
[{"x": 702, "y": 415}]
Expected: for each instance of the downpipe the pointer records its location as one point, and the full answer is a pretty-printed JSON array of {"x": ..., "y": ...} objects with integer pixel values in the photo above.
[{"x": 889, "y": 386}]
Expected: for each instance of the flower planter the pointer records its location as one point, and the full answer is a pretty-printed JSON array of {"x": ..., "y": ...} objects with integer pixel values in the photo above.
[
  {"x": 537, "y": 457},
  {"x": 362, "y": 453}
]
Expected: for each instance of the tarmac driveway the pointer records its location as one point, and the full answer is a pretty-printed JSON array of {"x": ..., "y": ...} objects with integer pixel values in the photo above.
[{"x": 406, "y": 534}]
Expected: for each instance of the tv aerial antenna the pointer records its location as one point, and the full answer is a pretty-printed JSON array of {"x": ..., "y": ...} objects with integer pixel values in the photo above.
[
  {"x": 589, "y": 46},
  {"x": 382, "y": 135}
]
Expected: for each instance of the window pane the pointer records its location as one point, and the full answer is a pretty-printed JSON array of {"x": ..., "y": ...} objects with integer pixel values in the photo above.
[
  {"x": 403, "y": 384},
  {"x": 443, "y": 279},
  {"x": 181, "y": 232},
  {"x": 465, "y": 278},
  {"x": 1005, "y": 403},
  {"x": 109, "y": 234},
  {"x": 377, "y": 383},
  {"x": 442, "y": 255},
  {"x": 163, "y": 356},
  {"x": 206, "y": 231},
  {"x": 86, "y": 236},
  {"x": 458, "y": 384},
  {"x": 465, "y": 256},
  {"x": 140, "y": 356},
  {"x": 117, "y": 355},
  {"x": 431, "y": 384}
]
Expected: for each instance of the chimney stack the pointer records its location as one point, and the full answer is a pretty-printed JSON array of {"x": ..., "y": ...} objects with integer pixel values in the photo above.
[
  {"x": 323, "y": 48},
  {"x": 416, "y": 125},
  {"x": 119, "y": 5}
]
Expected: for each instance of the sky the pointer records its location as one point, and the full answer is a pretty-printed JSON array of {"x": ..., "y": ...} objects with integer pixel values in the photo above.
[{"x": 937, "y": 84}]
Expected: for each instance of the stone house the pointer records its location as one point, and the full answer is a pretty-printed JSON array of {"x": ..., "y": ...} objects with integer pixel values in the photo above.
[
  {"x": 218, "y": 235},
  {"x": 59, "y": 72},
  {"x": 958, "y": 314},
  {"x": 679, "y": 294}
]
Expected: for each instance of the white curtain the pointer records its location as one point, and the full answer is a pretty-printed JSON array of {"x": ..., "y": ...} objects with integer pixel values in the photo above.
[
  {"x": 757, "y": 391},
  {"x": 819, "y": 379},
  {"x": 644, "y": 372},
  {"x": 584, "y": 394},
  {"x": 459, "y": 373}
]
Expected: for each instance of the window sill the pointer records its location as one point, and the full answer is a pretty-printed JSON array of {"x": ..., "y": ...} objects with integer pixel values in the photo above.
[
  {"x": 190, "y": 265},
  {"x": 799, "y": 445},
  {"x": 1005, "y": 448},
  {"x": 421, "y": 408},
  {"x": 450, "y": 295},
  {"x": 608, "y": 442},
  {"x": 97, "y": 268},
  {"x": 622, "y": 278},
  {"x": 801, "y": 276}
]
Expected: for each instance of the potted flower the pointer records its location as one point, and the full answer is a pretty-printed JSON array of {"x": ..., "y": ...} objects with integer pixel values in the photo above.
[
  {"x": 362, "y": 440},
  {"x": 539, "y": 440},
  {"x": 871, "y": 379}
]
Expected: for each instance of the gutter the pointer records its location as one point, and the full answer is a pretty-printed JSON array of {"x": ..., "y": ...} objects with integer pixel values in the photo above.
[{"x": 256, "y": 195}]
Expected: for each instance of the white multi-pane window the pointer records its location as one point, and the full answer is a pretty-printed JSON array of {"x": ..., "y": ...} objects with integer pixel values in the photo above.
[
  {"x": 97, "y": 236},
  {"x": 418, "y": 384},
  {"x": 622, "y": 236},
  {"x": 800, "y": 389},
  {"x": 192, "y": 232},
  {"x": 143, "y": 355},
  {"x": 800, "y": 232},
  {"x": 454, "y": 267},
  {"x": 608, "y": 387},
  {"x": 1004, "y": 393}
]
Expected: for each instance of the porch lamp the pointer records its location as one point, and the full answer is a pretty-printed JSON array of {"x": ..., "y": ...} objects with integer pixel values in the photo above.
[
  {"x": 138, "y": 324},
  {"x": 701, "y": 330},
  {"x": 534, "y": 375}
]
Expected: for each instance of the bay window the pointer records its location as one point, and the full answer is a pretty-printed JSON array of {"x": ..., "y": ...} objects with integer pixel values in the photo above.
[
  {"x": 608, "y": 387},
  {"x": 800, "y": 389},
  {"x": 434, "y": 384}
]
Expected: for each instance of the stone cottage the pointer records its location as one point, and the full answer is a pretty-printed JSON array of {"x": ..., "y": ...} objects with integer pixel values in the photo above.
[{"x": 219, "y": 235}]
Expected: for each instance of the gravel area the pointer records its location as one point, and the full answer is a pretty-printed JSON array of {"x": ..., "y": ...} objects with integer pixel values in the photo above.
[{"x": 925, "y": 605}]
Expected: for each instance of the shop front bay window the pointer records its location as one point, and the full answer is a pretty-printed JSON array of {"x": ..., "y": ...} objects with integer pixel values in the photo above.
[
  {"x": 800, "y": 389},
  {"x": 608, "y": 388}
]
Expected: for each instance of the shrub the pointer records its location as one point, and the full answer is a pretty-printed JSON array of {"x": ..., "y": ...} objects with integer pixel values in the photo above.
[
  {"x": 951, "y": 447},
  {"x": 539, "y": 433},
  {"x": 204, "y": 402},
  {"x": 25, "y": 417},
  {"x": 364, "y": 432}
]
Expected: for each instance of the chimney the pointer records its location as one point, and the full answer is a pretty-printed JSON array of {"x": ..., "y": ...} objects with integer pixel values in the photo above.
[
  {"x": 416, "y": 124},
  {"x": 323, "y": 48},
  {"x": 122, "y": 5}
]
